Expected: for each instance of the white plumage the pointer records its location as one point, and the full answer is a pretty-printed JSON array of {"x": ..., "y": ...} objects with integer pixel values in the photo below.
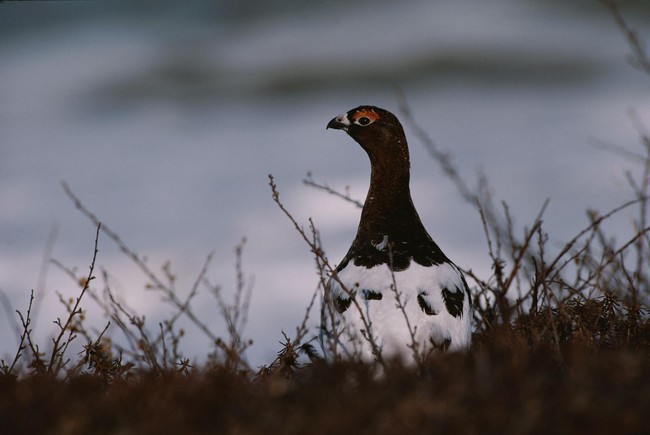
[{"x": 388, "y": 322}]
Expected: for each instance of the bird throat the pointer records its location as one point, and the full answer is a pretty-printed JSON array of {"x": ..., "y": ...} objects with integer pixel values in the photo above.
[{"x": 388, "y": 209}]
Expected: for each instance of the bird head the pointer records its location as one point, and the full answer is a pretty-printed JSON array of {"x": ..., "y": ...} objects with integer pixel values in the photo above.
[{"x": 377, "y": 130}]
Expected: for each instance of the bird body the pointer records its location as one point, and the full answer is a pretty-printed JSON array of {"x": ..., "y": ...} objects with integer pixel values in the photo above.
[{"x": 395, "y": 292}]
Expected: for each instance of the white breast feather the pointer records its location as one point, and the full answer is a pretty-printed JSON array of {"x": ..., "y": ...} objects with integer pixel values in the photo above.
[{"x": 388, "y": 323}]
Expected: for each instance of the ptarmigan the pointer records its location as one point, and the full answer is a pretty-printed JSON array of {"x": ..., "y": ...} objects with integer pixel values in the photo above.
[{"x": 361, "y": 311}]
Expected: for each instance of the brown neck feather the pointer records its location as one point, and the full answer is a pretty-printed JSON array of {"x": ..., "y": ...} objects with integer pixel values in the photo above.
[{"x": 388, "y": 209}]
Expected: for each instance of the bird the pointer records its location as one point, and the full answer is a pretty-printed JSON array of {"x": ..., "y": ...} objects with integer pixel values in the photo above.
[{"x": 395, "y": 293}]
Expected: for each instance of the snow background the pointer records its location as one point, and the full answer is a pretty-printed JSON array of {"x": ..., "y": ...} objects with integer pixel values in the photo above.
[{"x": 166, "y": 120}]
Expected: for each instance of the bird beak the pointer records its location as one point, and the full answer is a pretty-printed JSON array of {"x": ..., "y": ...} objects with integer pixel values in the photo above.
[{"x": 341, "y": 122}]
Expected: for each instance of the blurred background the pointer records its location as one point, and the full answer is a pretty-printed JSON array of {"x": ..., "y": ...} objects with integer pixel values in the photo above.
[{"x": 166, "y": 118}]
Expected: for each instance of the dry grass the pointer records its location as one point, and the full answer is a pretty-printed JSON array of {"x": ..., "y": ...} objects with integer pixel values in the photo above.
[
  {"x": 503, "y": 385},
  {"x": 561, "y": 343}
]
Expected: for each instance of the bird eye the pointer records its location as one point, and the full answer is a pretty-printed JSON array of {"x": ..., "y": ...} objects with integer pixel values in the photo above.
[{"x": 364, "y": 117}]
